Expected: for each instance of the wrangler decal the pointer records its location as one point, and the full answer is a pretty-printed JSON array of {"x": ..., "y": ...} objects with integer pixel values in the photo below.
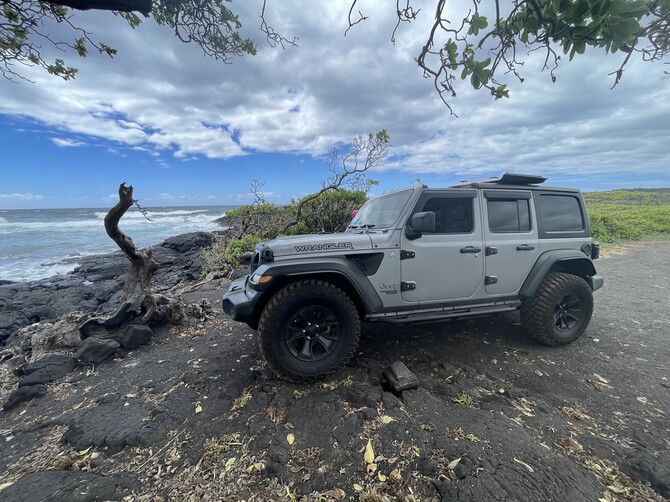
[{"x": 324, "y": 247}]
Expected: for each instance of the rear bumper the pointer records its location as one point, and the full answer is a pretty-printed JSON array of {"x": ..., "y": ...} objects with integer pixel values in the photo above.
[
  {"x": 239, "y": 302},
  {"x": 595, "y": 281}
]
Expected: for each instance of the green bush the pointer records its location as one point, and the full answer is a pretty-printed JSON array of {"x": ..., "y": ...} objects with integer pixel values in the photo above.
[
  {"x": 237, "y": 248},
  {"x": 629, "y": 214},
  {"x": 330, "y": 212},
  {"x": 248, "y": 225},
  {"x": 264, "y": 220}
]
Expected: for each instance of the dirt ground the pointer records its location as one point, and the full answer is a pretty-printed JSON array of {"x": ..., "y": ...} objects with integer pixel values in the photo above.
[{"x": 196, "y": 415}]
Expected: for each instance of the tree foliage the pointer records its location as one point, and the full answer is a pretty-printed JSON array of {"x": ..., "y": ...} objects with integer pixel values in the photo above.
[
  {"x": 488, "y": 40},
  {"x": 481, "y": 44},
  {"x": 210, "y": 24}
]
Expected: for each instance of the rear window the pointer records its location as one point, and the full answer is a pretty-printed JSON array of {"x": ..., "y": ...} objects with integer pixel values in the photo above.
[
  {"x": 508, "y": 215},
  {"x": 561, "y": 213}
]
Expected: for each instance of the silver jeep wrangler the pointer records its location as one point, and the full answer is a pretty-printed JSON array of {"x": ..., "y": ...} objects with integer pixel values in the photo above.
[{"x": 421, "y": 255}]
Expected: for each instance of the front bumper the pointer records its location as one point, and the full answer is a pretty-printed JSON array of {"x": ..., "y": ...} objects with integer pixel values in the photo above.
[
  {"x": 239, "y": 302},
  {"x": 595, "y": 281}
]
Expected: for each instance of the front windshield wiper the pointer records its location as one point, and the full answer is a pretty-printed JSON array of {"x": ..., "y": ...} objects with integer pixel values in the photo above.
[{"x": 361, "y": 226}]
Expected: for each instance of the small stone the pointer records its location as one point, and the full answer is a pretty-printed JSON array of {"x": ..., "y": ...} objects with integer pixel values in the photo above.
[
  {"x": 135, "y": 336},
  {"x": 95, "y": 350},
  {"x": 460, "y": 471},
  {"x": 400, "y": 377},
  {"x": 427, "y": 466}
]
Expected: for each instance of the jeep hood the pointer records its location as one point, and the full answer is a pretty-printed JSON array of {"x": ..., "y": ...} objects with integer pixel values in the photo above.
[{"x": 319, "y": 244}]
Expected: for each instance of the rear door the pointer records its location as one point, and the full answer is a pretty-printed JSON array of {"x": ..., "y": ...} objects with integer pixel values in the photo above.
[
  {"x": 512, "y": 244},
  {"x": 449, "y": 263}
]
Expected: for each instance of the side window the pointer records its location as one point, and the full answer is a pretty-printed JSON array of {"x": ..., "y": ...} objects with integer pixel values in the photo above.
[
  {"x": 561, "y": 213},
  {"x": 508, "y": 215},
  {"x": 453, "y": 215}
]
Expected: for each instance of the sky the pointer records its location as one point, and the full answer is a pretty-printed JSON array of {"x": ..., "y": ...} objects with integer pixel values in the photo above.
[{"x": 184, "y": 129}]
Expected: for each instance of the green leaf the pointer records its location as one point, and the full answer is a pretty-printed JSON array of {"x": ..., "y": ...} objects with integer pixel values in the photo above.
[
  {"x": 474, "y": 80},
  {"x": 80, "y": 47},
  {"x": 477, "y": 23}
]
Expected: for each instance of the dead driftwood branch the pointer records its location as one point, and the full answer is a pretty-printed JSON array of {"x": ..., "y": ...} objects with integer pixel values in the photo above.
[{"x": 139, "y": 305}]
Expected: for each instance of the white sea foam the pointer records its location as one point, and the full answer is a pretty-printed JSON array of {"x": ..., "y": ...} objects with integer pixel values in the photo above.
[
  {"x": 33, "y": 244},
  {"x": 29, "y": 272}
]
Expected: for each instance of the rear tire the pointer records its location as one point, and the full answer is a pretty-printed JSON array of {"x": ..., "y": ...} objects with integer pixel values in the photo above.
[
  {"x": 308, "y": 330},
  {"x": 559, "y": 311}
]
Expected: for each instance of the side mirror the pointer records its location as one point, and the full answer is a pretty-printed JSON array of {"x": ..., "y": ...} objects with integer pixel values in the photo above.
[{"x": 421, "y": 222}]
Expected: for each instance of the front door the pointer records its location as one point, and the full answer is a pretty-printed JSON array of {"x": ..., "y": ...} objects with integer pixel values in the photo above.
[{"x": 449, "y": 263}]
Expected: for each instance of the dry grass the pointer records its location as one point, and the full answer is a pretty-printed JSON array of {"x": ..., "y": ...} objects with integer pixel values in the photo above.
[{"x": 50, "y": 454}]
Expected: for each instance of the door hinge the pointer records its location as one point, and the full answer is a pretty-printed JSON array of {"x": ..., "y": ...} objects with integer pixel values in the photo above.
[
  {"x": 407, "y": 286},
  {"x": 406, "y": 255},
  {"x": 491, "y": 250},
  {"x": 491, "y": 279}
]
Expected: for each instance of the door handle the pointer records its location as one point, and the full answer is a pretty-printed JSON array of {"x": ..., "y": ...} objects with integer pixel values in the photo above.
[
  {"x": 525, "y": 247},
  {"x": 471, "y": 249}
]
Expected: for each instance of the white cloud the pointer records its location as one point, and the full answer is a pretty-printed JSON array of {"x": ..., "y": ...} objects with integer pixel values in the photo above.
[
  {"x": 19, "y": 197},
  {"x": 164, "y": 97},
  {"x": 67, "y": 143}
]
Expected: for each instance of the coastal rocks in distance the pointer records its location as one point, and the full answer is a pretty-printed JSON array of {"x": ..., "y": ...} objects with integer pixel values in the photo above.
[
  {"x": 96, "y": 350},
  {"x": 95, "y": 286}
]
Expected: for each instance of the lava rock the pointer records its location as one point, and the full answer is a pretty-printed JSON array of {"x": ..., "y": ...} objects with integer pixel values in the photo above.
[
  {"x": 95, "y": 350},
  {"x": 185, "y": 243},
  {"x": 71, "y": 486},
  {"x": 135, "y": 336},
  {"x": 23, "y": 394},
  {"x": 49, "y": 368},
  {"x": 400, "y": 377}
]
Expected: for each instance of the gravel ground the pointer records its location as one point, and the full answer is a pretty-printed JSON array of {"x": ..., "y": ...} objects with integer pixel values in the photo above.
[{"x": 197, "y": 416}]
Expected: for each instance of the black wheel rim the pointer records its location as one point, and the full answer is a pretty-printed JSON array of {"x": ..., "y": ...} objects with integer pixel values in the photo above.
[
  {"x": 567, "y": 313},
  {"x": 312, "y": 333}
]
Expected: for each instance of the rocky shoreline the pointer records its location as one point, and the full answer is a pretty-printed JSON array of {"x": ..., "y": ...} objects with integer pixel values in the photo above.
[{"x": 94, "y": 286}]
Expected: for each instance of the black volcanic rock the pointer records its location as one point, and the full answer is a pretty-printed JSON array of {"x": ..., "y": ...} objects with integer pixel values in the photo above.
[
  {"x": 95, "y": 286},
  {"x": 96, "y": 350},
  {"x": 23, "y": 394},
  {"x": 135, "y": 336},
  {"x": 48, "y": 369}
]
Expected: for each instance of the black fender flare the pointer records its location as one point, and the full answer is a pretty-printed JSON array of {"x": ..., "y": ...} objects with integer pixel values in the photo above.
[
  {"x": 570, "y": 260},
  {"x": 313, "y": 268}
]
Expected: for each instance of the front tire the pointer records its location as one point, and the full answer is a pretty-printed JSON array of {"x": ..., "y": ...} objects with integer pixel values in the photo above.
[
  {"x": 559, "y": 311},
  {"x": 308, "y": 330}
]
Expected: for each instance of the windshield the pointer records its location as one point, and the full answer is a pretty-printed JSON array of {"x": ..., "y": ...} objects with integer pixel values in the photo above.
[{"x": 381, "y": 212}]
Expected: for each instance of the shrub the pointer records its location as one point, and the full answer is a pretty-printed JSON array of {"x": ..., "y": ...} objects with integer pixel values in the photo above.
[
  {"x": 628, "y": 215},
  {"x": 330, "y": 212},
  {"x": 251, "y": 224}
]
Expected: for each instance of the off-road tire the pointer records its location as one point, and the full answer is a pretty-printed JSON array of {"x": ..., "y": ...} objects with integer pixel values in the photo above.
[
  {"x": 308, "y": 330},
  {"x": 559, "y": 311}
]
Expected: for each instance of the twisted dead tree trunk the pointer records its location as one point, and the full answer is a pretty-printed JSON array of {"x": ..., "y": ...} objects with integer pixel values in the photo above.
[{"x": 139, "y": 304}]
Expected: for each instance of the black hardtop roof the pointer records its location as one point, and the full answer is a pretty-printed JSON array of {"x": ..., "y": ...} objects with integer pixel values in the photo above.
[{"x": 513, "y": 181}]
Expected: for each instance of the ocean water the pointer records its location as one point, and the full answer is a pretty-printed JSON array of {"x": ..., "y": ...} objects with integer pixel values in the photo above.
[{"x": 40, "y": 243}]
